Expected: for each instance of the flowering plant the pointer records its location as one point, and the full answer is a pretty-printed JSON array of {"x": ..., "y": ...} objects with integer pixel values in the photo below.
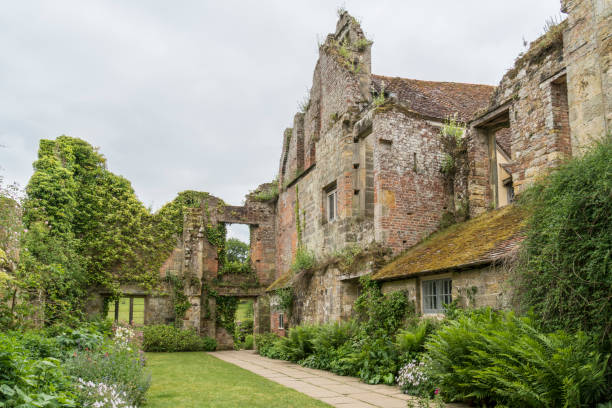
[
  {"x": 413, "y": 379},
  {"x": 101, "y": 395}
]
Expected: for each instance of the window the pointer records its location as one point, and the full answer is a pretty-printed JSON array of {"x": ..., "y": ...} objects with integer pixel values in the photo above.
[
  {"x": 332, "y": 207},
  {"x": 129, "y": 309},
  {"x": 436, "y": 293},
  {"x": 281, "y": 321},
  {"x": 509, "y": 191}
]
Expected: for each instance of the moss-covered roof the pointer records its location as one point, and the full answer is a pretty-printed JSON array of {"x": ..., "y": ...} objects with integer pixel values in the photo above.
[
  {"x": 483, "y": 239},
  {"x": 284, "y": 281},
  {"x": 437, "y": 99}
]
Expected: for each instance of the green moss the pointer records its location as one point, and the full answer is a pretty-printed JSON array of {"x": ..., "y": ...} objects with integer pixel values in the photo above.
[{"x": 464, "y": 243}]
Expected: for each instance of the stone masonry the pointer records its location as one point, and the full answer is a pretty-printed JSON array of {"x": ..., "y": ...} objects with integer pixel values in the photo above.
[{"x": 361, "y": 171}]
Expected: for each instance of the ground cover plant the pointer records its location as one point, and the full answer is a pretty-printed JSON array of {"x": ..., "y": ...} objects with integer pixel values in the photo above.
[
  {"x": 91, "y": 366},
  {"x": 193, "y": 380}
]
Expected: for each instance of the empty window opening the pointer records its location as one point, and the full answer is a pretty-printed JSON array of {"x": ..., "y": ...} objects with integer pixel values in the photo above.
[
  {"x": 243, "y": 323},
  {"x": 560, "y": 109},
  {"x": 237, "y": 250},
  {"x": 128, "y": 309},
  {"x": 436, "y": 294}
]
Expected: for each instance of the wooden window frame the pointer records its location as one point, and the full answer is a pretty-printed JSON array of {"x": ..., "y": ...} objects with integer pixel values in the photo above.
[{"x": 436, "y": 293}]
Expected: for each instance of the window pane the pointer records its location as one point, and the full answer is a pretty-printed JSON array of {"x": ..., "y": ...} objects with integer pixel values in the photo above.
[
  {"x": 436, "y": 293},
  {"x": 331, "y": 210}
]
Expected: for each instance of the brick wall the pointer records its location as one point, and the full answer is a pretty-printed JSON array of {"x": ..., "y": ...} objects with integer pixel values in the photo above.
[{"x": 409, "y": 188}]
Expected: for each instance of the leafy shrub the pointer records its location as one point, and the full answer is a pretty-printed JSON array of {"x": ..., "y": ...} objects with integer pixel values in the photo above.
[
  {"x": 243, "y": 329},
  {"x": 411, "y": 341},
  {"x": 168, "y": 338},
  {"x": 325, "y": 342},
  {"x": 381, "y": 312},
  {"x": 496, "y": 358},
  {"x": 267, "y": 345},
  {"x": 298, "y": 343},
  {"x": 39, "y": 346},
  {"x": 27, "y": 381},
  {"x": 304, "y": 260},
  {"x": 377, "y": 359},
  {"x": 113, "y": 366},
  {"x": 248, "y": 342},
  {"x": 565, "y": 271},
  {"x": 414, "y": 379}
]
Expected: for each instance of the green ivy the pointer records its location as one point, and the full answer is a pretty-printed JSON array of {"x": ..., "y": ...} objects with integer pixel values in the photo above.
[
  {"x": 86, "y": 227},
  {"x": 285, "y": 296},
  {"x": 226, "y": 312},
  {"x": 180, "y": 300}
]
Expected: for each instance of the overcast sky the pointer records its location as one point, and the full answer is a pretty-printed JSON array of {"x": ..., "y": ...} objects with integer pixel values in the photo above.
[{"x": 195, "y": 94}]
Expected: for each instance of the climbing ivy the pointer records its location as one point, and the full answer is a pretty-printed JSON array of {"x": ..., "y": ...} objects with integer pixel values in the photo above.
[
  {"x": 285, "y": 298},
  {"x": 86, "y": 227},
  {"x": 180, "y": 300},
  {"x": 226, "y": 312}
]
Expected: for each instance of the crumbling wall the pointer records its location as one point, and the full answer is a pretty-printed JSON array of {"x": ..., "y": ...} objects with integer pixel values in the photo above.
[
  {"x": 409, "y": 185},
  {"x": 588, "y": 55}
]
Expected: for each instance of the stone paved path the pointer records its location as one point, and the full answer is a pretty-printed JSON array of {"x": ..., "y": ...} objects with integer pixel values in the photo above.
[{"x": 336, "y": 390}]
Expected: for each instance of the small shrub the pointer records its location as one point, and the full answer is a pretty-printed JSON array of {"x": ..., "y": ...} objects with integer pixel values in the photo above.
[
  {"x": 243, "y": 329},
  {"x": 298, "y": 344},
  {"x": 248, "y": 342},
  {"x": 304, "y": 260},
  {"x": 265, "y": 344},
  {"x": 170, "y": 339},
  {"x": 413, "y": 379},
  {"x": 113, "y": 366}
]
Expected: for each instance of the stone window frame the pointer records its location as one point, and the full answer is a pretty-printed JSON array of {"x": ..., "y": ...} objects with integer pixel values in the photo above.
[
  {"x": 130, "y": 298},
  {"x": 429, "y": 291},
  {"x": 281, "y": 321}
]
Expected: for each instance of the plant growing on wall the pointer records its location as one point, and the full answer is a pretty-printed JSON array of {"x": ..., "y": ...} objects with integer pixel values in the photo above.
[
  {"x": 285, "y": 298},
  {"x": 454, "y": 165}
]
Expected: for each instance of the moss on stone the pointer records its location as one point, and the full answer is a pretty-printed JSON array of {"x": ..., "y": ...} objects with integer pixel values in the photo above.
[{"x": 485, "y": 238}]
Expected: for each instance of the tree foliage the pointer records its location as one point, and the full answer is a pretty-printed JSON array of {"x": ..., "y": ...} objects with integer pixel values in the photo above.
[
  {"x": 236, "y": 250},
  {"x": 565, "y": 273}
]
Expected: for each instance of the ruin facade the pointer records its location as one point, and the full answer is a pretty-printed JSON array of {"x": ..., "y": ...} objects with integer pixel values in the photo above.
[{"x": 361, "y": 179}]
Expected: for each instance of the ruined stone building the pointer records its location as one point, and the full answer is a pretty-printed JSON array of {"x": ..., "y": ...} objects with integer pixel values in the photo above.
[{"x": 363, "y": 177}]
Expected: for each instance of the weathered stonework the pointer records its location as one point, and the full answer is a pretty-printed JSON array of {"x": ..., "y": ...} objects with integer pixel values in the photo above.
[{"x": 371, "y": 145}]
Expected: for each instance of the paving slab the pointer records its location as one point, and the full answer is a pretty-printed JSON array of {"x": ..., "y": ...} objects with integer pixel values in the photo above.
[{"x": 335, "y": 390}]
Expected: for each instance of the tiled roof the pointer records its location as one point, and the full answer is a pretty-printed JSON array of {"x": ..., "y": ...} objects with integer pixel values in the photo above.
[
  {"x": 486, "y": 238},
  {"x": 437, "y": 99},
  {"x": 284, "y": 281}
]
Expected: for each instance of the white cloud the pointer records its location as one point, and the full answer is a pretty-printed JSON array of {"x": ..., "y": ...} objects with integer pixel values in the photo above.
[{"x": 196, "y": 94}]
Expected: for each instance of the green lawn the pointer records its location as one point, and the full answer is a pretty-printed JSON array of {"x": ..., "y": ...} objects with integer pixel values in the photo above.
[
  {"x": 196, "y": 379},
  {"x": 244, "y": 310},
  {"x": 124, "y": 310}
]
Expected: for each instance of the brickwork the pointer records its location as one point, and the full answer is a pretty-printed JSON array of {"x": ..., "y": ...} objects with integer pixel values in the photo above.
[
  {"x": 408, "y": 182},
  {"x": 383, "y": 159}
]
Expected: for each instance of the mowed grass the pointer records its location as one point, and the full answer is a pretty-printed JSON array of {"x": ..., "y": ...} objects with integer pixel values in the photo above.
[
  {"x": 124, "y": 310},
  {"x": 196, "y": 379},
  {"x": 244, "y": 310}
]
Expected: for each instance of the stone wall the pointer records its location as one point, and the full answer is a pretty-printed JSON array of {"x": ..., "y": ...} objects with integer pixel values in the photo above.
[
  {"x": 323, "y": 296},
  {"x": 408, "y": 182},
  {"x": 588, "y": 54}
]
